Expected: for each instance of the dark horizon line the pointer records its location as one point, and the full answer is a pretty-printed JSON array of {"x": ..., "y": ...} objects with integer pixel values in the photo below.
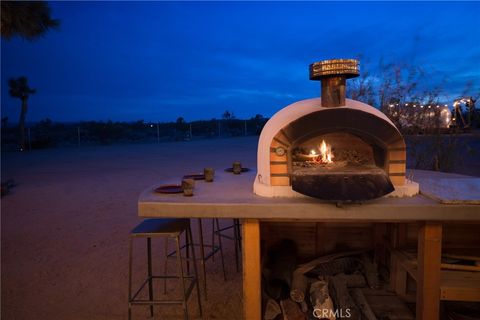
[{"x": 12, "y": 123}]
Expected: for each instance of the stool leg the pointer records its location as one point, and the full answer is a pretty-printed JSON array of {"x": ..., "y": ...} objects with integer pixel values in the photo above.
[
  {"x": 219, "y": 237},
  {"x": 237, "y": 242},
  {"x": 239, "y": 234},
  {"x": 181, "y": 276},
  {"x": 213, "y": 237},
  {"x": 189, "y": 230},
  {"x": 187, "y": 246},
  {"x": 130, "y": 253},
  {"x": 150, "y": 285},
  {"x": 165, "y": 266},
  {"x": 202, "y": 256}
]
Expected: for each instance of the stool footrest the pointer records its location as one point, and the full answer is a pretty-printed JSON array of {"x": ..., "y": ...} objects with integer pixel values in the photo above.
[
  {"x": 187, "y": 294},
  {"x": 225, "y": 236},
  {"x": 215, "y": 249},
  {"x": 152, "y": 302}
]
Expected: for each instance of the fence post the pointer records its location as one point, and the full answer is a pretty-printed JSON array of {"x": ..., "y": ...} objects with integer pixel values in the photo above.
[
  {"x": 78, "y": 135},
  {"x": 158, "y": 132},
  {"x": 218, "y": 123},
  {"x": 245, "y": 127},
  {"x": 191, "y": 131}
]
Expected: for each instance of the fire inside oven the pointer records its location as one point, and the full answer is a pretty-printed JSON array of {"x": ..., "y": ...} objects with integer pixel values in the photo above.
[
  {"x": 339, "y": 154},
  {"x": 340, "y": 166}
]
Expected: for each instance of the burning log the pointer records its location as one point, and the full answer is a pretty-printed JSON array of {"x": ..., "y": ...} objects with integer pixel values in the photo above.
[
  {"x": 291, "y": 310},
  {"x": 321, "y": 301},
  {"x": 362, "y": 303},
  {"x": 345, "y": 306}
]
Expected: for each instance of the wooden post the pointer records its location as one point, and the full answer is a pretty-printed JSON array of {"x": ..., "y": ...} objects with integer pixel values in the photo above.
[
  {"x": 158, "y": 132},
  {"x": 380, "y": 231},
  {"x": 398, "y": 235},
  {"x": 402, "y": 235},
  {"x": 252, "y": 293},
  {"x": 394, "y": 270},
  {"x": 428, "y": 282}
]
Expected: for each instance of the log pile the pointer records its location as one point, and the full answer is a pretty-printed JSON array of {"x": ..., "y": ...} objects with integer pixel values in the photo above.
[{"x": 328, "y": 287}]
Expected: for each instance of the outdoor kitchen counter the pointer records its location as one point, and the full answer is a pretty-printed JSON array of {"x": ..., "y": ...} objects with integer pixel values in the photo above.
[{"x": 231, "y": 196}]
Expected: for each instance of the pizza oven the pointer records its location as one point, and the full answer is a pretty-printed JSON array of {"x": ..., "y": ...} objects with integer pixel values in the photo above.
[{"x": 332, "y": 148}]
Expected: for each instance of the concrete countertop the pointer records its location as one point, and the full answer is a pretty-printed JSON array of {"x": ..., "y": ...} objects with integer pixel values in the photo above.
[{"x": 231, "y": 196}]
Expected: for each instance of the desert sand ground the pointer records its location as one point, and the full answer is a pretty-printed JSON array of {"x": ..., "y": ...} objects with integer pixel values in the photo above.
[{"x": 65, "y": 228}]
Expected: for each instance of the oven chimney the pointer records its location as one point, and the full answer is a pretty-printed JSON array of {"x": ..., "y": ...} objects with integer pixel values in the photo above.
[{"x": 332, "y": 74}]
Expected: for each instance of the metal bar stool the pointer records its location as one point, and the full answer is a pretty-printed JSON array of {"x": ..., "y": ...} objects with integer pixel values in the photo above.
[
  {"x": 237, "y": 238},
  {"x": 167, "y": 228},
  {"x": 214, "y": 249}
]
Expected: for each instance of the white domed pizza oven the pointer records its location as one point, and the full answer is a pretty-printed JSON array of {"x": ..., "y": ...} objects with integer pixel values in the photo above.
[{"x": 332, "y": 148}]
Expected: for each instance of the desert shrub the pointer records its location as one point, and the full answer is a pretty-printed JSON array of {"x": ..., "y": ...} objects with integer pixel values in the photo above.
[{"x": 438, "y": 152}]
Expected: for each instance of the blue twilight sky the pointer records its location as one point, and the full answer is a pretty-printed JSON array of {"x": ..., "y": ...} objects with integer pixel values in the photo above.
[{"x": 161, "y": 60}]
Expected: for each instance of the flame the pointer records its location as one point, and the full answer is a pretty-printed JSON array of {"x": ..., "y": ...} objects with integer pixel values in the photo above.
[
  {"x": 313, "y": 153},
  {"x": 326, "y": 152},
  {"x": 323, "y": 148}
]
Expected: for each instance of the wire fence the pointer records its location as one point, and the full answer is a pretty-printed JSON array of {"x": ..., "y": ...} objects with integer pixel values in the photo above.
[{"x": 48, "y": 134}]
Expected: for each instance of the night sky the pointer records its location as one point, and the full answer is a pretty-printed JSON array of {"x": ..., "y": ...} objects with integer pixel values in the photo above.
[{"x": 160, "y": 60}]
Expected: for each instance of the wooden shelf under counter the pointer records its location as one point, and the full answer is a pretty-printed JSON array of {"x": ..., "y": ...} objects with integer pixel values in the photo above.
[{"x": 455, "y": 285}]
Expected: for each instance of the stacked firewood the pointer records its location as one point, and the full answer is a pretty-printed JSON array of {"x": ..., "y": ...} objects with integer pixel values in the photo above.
[{"x": 328, "y": 287}]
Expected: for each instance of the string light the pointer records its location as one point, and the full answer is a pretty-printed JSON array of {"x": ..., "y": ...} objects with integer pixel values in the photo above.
[{"x": 429, "y": 106}]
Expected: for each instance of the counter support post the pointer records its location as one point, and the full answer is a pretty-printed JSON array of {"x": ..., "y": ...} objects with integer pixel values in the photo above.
[
  {"x": 429, "y": 260},
  {"x": 252, "y": 293}
]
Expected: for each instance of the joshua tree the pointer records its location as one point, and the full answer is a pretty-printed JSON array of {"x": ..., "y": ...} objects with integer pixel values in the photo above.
[
  {"x": 228, "y": 115},
  {"x": 27, "y": 19},
  {"x": 19, "y": 89}
]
